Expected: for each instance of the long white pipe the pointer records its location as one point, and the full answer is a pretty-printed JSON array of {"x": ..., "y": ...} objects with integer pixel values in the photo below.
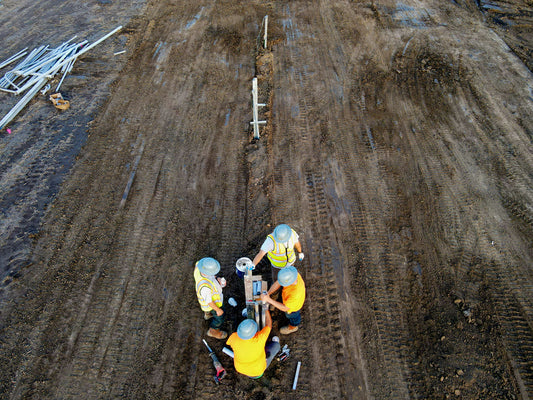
[
  {"x": 20, "y": 105},
  {"x": 296, "y": 375},
  {"x": 86, "y": 49},
  {"x": 266, "y": 29},
  {"x": 28, "y": 96},
  {"x": 14, "y": 57}
]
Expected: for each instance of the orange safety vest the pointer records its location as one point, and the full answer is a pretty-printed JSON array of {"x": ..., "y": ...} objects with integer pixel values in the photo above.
[
  {"x": 201, "y": 282},
  {"x": 281, "y": 256}
]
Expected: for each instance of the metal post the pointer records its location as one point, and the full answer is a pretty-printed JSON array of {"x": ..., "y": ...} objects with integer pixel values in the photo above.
[
  {"x": 296, "y": 375},
  {"x": 249, "y": 293},
  {"x": 264, "y": 305},
  {"x": 255, "y": 104},
  {"x": 266, "y": 28},
  {"x": 257, "y": 314}
]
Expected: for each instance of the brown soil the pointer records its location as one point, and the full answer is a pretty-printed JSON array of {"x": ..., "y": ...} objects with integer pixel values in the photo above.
[{"x": 398, "y": 145}]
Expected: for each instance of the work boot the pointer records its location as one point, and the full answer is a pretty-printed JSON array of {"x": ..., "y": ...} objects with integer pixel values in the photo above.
[
  {"x": 207, "y": 315},
  {"x": 217, "y": 333},
  {"x": 288, "y": 329}
]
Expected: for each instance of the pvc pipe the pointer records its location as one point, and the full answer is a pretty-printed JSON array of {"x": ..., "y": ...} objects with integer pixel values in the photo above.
[
  {"x": 20, "y": 105},
  {"x": 67, "y": 70},
  {"x": 42, "y": 81},
  {"x": 266, "y": 28},
  {"x": 255, "y": 122},
  {"x": 14, "y": 57},
  {"x": 86, "y": 49},
  {"x": 228, "y": 352},
  {"x": 296, "y": 375}
]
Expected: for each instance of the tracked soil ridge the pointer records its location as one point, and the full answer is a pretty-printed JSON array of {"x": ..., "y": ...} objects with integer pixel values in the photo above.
[
  {"x": 319, "y": 269},
  {"x": 375, "y": 259},
  {"x": 512, "y": 299},
  {"x": 381, "y": 271}
]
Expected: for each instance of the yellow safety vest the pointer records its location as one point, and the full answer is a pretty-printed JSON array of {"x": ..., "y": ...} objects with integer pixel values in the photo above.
[
  {"x": 281, "y": 256},
  {"x": 201, "y": 282}
]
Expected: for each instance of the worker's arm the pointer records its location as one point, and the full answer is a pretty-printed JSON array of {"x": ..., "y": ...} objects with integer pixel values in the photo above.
[
  {"x": 218, "y": 310},
  {"x": 280, "y": 306},
  {"x": 268, "y": 319},
  {"x": 258, "y": 257},
  {"x": 274, "y": 288},
  {"x": 298, "y": 247}
]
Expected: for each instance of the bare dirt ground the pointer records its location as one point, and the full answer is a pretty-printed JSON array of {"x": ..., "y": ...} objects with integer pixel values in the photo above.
[{"x": 398, "y": 145}]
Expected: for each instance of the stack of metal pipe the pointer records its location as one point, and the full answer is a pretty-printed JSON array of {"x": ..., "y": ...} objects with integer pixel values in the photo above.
[{"x": 39, "y": 66}]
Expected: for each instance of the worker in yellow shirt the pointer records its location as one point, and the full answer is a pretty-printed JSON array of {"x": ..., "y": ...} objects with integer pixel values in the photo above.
[
  {"x": 292, "y": 294},
  {"x": 252, "y": 353}
]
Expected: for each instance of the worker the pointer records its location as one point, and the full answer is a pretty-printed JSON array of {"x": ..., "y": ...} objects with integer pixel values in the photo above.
[
  {"x": 293, "y": 295},
  {"x": 252, "y": 353},
  {"x": 279, "y": 247},
  {"x": 209, "y": 292}
]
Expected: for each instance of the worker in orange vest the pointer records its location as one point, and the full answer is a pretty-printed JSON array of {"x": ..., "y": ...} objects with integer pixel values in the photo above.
[
  {"x": 252, "y": 353},
  {"x": 279, "y": 247},
  {"x": 209, "y": 293},
  {"x": 293, "y": 295}
]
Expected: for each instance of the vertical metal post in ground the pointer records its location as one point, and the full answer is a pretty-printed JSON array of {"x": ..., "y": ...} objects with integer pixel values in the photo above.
[
  {"x": 264, "y": 305},
  {"x": 249, "y": 294},
  {"x": 266, "y": 29},
  {"x": 255, "y": 112}
]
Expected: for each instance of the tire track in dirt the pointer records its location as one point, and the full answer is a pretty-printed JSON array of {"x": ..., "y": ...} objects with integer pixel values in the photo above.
[
  {"x": 512, "y": 301},
  {"x": 375, "y": 258},
  {"x": 121, "y": 298},
  {"x": 299, "y": 128},
  {"x": 381, "y": 272},
  {"x": 471, "y": 239}
]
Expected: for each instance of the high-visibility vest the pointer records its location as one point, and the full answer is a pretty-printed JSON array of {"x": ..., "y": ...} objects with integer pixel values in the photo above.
[
  {"x": 201, "y": 282},
  {"x": 281, "y": 256}
]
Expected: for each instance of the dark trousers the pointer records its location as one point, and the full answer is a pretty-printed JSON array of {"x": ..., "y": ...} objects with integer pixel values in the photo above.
[
  {"x": 294, "y": 318},
  {"x": 216, "y": 322},
  {"x": 271, "y": 349}
]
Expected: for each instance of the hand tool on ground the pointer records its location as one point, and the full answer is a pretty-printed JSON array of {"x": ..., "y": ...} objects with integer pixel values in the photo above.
[
  {"x": 221, "y": 372},
  {"x": 284, "y": 354}
]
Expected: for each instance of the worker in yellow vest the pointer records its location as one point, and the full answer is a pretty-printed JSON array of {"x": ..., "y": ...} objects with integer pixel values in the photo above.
[
  {"x": 293, "y": 295},
  {"x": 279, "y": 247},
  {"x": 252, "y": 353},
  {"x": 209, "y": 292}
]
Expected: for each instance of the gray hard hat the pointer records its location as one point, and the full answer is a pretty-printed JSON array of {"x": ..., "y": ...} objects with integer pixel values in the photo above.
[
  {"x": 287, "y": 276},
  {"x": 282, "y": 233},
  {"x": 247, "y": 329},
  {"x": 208, "y": 266}
]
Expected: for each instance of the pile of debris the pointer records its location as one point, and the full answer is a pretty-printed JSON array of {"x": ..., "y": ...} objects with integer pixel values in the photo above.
[{"x": 37, "y": 68}]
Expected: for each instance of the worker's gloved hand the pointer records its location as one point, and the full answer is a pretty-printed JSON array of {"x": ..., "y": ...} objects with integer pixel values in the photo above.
[
  {"x": 264, "y": 297},
  {"x": 300, "y": 256}
]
